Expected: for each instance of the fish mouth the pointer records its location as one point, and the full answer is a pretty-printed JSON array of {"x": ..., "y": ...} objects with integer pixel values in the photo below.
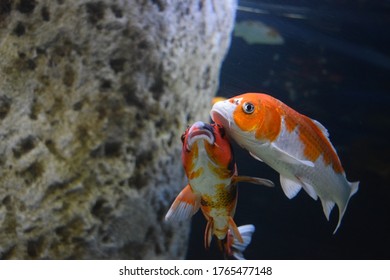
[
  {"x": 222, "y": 113},
  {"x": 200, "y": 131}
]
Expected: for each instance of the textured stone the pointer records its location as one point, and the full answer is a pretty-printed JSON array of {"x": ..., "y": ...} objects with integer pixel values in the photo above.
[{"x": 93, "y": 98}]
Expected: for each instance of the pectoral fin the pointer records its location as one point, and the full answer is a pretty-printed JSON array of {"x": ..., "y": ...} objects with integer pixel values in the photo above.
[
  {"x": 185, "y": 205},
  {"x": 253, "y": 180},
  {"x": 286, "y": 157},
  {"x": 255, "y": 157}
]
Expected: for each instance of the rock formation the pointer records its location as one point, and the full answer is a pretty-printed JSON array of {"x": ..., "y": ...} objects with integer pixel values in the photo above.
[{"x": 94, "y": 96}]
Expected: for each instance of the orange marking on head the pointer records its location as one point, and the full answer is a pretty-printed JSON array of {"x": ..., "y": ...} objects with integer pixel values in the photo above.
[
  {"x": 247, "y": 122},
  {"x": 265, "y": 119},
  {"x": 188, "y": 157},
  {"x": 220, "y": 152}
]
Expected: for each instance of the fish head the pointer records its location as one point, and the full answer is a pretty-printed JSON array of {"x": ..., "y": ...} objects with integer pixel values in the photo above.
[
  {"x": 250, "y": 116},
  {"x": 238, "y": 113},
  {"x": 208, "y": 137}
]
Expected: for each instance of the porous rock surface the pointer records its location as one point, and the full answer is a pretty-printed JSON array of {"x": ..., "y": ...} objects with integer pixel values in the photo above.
[{"x": 94, "y": 96}]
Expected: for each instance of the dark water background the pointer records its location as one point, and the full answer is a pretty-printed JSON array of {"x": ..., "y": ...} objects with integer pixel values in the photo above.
[{"x": 334, "y": 66}]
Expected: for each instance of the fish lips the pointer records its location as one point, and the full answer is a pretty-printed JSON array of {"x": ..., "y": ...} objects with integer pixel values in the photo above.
[
  {"x": 222, "y": 113},
  {"x": 200, "y": 131}
]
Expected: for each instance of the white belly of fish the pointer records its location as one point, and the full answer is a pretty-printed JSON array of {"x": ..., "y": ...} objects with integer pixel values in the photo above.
[{"x": 206, "y": 182}]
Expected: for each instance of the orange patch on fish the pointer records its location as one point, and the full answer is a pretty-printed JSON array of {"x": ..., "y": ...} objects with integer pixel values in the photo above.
[
  {"x": 244, "y": 121},
  {"x": 291, "y": 120},
  {"x": 265, "y": 119},
  {"x": 195, "y": 174},
  {"x": 221, "y": 155},
  {"x": 270, "y": 127},
  {"x": 222, "y": 173},
  {"x": 190, "y": 157},
  {"x": 313, "y": 139},
  {"x": 316, "y": 144}
]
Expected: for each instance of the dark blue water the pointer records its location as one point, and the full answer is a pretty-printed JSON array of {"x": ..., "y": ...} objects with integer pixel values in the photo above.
[{"x": 334, "y": 67}]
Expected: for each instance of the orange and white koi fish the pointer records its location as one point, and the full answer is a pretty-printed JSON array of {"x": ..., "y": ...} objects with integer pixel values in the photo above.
[
  {"x": 294, "y": 145},
  {"x": 208, "y": 162}
]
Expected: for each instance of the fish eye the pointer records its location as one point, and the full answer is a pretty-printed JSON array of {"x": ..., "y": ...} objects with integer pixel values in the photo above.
[{"x": 248, "y": 107}]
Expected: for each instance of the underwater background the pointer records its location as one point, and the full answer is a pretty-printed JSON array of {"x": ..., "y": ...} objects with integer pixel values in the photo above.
[{"x": 329, "y": 60}]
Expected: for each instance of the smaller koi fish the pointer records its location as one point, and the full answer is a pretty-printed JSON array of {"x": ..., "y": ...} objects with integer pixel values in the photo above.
[{"x": 209, "y": 164}]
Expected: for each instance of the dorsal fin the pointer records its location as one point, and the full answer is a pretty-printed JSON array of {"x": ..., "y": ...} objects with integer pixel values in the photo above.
[{"x": 321, "y": 127}]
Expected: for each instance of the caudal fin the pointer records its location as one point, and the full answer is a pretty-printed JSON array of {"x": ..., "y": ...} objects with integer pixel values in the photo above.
[
  {"x": 354, "y": 187},
  {"x": 237, "y": 247}
]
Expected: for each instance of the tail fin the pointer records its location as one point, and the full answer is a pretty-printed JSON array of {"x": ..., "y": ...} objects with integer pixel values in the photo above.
[
  {"x": 354, "y": 186},
  {"x": 238, "y": 248}
]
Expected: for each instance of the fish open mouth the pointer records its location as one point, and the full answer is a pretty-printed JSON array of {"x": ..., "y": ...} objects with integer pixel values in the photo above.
[
  {"x": 221, "y": 113},
  {"x": 200, "y": 131},
  {"x": 219, "y": 118}
]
